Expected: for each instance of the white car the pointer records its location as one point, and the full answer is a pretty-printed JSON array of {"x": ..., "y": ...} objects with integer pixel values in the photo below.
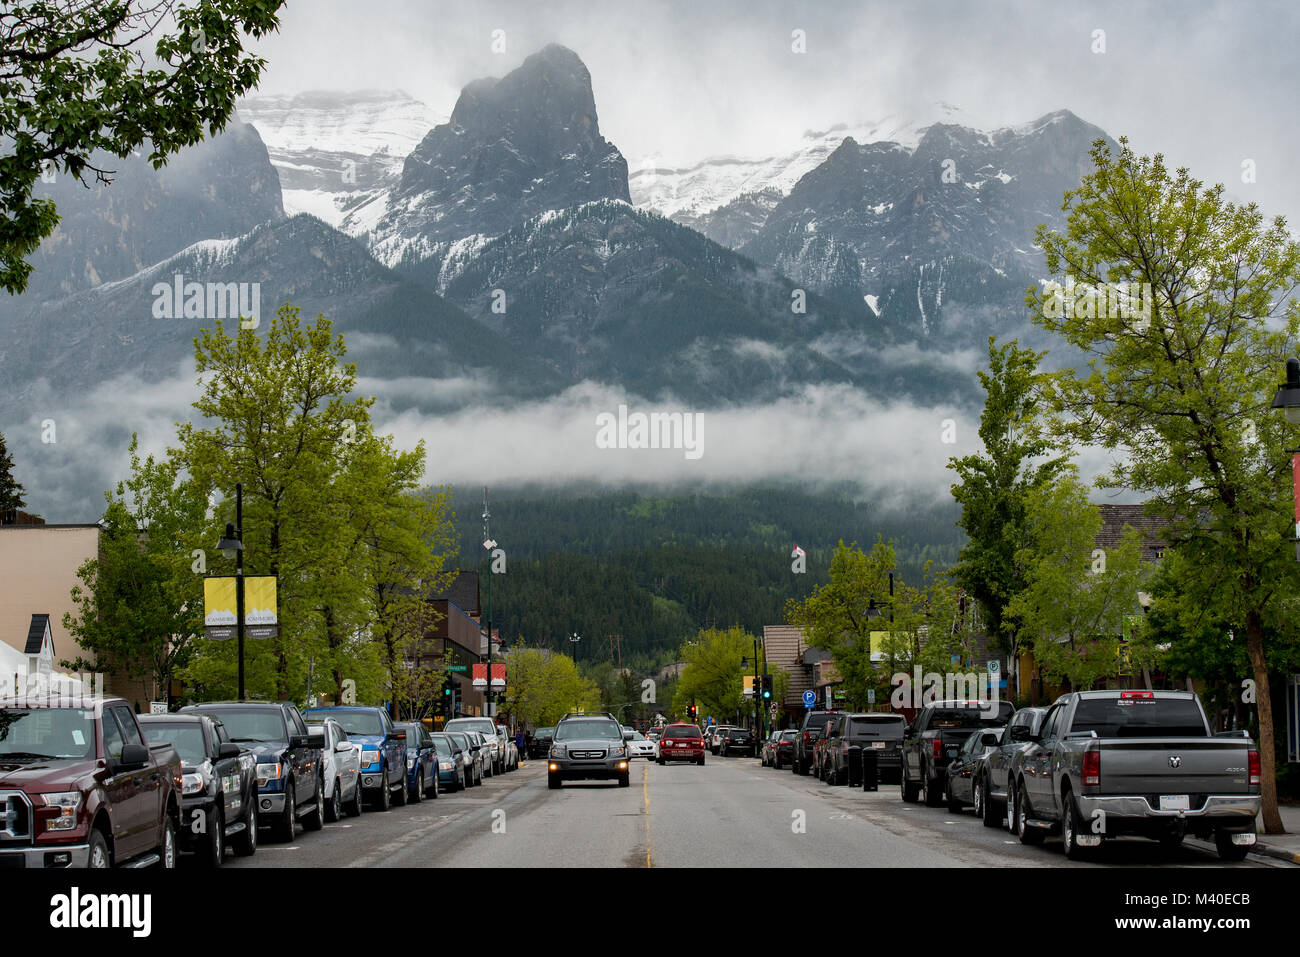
[
  {"x": 494, "y": 751},
  {"x": 341, "y": 760},
  {"x": 639, "y": 746}
]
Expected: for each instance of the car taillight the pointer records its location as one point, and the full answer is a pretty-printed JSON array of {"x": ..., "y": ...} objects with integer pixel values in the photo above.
[
  {"x": 1137, "y": 694},
  {"x": 1091, "y": 767},
  {"x": 1253, "y": 764},
  {"x": 936, "y": 748},
  {"x": 807, "y": 737}
]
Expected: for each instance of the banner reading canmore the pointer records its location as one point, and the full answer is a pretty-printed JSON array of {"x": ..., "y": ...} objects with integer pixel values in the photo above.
[{"x": 219, "y": 602}]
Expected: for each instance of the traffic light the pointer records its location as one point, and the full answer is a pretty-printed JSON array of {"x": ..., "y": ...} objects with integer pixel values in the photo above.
[
  {"x": 767, "y": 687},
  {"x": 691, "y": 711}
]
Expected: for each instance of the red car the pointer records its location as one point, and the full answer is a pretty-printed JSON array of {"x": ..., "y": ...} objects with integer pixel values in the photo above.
[{"x": 681, "y": 742}]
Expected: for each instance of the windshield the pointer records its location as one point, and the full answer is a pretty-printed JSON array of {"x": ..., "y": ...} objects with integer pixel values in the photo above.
[
  {"x": 187, "y": 739},
  {"x": 1139, "y": 718},
  {"x": 255, "y": 726},
  {"x": 48, "y": 732},
  {"x": 974, "y": 716},
  {"x": 484, "y": 726},
  {"x": 885, "y": 725},
  {"x": 359, "y": 722},
  {"x": 588, "y": 728},
  {"x": 682, "y": 731}
]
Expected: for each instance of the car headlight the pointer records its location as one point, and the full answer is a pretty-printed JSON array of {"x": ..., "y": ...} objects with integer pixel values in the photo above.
[
  {"x": 557, "y": 751},
  {"x": 268, "y": 771},
  {"x": 621, "y": 750},
  {"x": 66, "y": 803},
  {"x": 192, "y": 784},
  {"x": 446, "y": 766},
  {"x": 369, "y": 756},
  {"x": 410, "y": 763}
]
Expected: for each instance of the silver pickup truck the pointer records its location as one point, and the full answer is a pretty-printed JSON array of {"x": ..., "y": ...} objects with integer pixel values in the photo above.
[{"x": 1106, "y": 763}]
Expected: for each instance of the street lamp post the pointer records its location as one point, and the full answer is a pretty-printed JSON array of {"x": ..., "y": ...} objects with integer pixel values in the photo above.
[{"x": 232, "y": 546}]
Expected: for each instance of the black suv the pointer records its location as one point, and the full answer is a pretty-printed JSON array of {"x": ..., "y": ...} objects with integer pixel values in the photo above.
[
  {"x": 737, "y": 739},
  {"x": 880, "y": 732},
  {"x": 290, "y": 773},
  {"x": 588, "y": 747},
  {"x": 810, "y": 731},
  {"x": 219, "y": 791}
]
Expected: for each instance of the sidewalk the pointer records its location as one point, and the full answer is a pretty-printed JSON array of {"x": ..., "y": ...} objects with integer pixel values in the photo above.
[{"x": 1286, "y": 846}]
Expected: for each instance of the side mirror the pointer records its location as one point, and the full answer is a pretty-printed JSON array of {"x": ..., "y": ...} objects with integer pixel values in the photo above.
[
  {"x": 134, "y": 757},
  {"x": 990, "y": 739},
  {"x": 227, "y": 749},
  {"x": 343, "y": 747},
  {"x": 1020, "y": 732},
  {"x": 316, "y": 739},
  {"x": 627, "y": 735},
  {"x": 399, "y": 735},
  {"x": 300, "y": 741}
]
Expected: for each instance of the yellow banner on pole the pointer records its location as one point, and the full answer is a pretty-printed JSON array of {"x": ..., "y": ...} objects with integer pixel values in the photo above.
[{"x": 220, "y": 600}]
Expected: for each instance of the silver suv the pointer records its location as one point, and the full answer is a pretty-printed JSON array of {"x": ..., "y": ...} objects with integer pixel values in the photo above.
[{"x": 588, "y": 747}]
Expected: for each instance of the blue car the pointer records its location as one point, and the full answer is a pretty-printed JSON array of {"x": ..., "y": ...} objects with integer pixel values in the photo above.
[
  {"x": 421, "y": 762},
  {"x": 451, "y": 762},
  {"x": 383, "y": 751}
]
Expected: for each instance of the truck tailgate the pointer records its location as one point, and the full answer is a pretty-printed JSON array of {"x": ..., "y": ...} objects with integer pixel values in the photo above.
[{"x": 1155, "y": 766}]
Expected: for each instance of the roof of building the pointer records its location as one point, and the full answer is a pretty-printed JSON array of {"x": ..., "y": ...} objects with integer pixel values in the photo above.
[
  {"x": 463, "y": 592},
  {"x": 36, "y": 634},
  {"x": 1115, "y": 517}
]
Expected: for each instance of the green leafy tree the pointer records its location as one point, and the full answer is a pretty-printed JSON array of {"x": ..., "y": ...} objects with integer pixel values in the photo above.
[
  {"x": 1182, "y": 389},
  {"x": 712, "y": 674},
  {"x": 279, "y": 415},
  {"x": 11, "y": 493},
  {"x": 542, "y": 686},
  {"x": 1073, "y": 608},
  {"x": 994, "y": 484},
  {"x": 140, "y": 603},
  {"x": 75, "y": 80}
]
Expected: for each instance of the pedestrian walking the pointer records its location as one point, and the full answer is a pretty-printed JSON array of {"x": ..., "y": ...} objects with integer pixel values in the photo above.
[{"x": 521, "y": 744}]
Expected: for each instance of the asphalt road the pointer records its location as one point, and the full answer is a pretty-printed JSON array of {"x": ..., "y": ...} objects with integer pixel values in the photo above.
[{"x": 731, "y": 812}]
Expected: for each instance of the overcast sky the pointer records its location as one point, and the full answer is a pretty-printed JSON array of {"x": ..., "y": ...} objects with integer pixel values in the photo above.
[{"x": 1208, "y": 84}]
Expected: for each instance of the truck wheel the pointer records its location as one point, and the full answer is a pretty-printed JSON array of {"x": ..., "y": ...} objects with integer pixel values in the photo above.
[
  {"x": 1027, "y": 834},
  {"x": 100, "y": 858},
  {"x": 1011, "y": 806},
  {"x": 625, "y": 779},
  {"x": 929, "y": 793},
  {"x": 214, "y": 852},
  {"x": 984, "y": 806},
  {"x": 334, "y": 809},
  {"x": 553, "y": 782},
  {"x": 315, "y": 819},
  {"x": 167, "y": 849},
  {"x": 1227, "y": 850},
  {"x": 245, "y": 842},
  {"x": 908, "y": 789},
  {"x": 400, "y": 797},
  {"x": 286, "y": 828},
  {"x": 1071, "y": 827},
  {"x": 385, "y": 797}
]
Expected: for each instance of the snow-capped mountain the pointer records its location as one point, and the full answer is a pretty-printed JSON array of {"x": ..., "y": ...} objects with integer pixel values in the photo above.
[
  {"x": 336, "y": 151},
  {"x": 514, "y": 147},
  {"x": 728, "y": 197}
]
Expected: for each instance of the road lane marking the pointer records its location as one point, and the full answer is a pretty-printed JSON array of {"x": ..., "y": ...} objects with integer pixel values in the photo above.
[{"x": 645, "y": 793}]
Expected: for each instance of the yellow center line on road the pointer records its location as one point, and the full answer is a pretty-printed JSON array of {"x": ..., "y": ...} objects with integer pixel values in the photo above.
[{"x": 645, "y": 793}]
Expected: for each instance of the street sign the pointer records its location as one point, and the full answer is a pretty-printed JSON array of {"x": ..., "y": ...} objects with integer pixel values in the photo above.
[
  {"x": 772, "y": 711},
  {"x": 809, "y": 699},
  {"x": 458, "y": 668},
  {"x": 871, "y": 696},
  {"x": 994, "y": 666},
  {"x": 157, "y": 707}
]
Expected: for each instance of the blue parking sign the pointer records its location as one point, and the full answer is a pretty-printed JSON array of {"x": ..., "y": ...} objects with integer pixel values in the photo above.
[{"x": 809, "y": 699}]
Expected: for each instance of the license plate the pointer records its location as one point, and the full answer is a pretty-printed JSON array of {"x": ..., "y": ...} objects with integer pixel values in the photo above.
[
  {"x": 878, "y": 744},
  {"x": 1173, "y": 802}
]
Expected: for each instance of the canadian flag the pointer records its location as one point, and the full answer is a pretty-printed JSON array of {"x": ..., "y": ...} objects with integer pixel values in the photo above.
[{"x": 798, "y": 552}]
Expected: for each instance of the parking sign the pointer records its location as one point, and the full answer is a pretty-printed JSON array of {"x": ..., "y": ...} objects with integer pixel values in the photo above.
[{"x": 809, "y": 699}]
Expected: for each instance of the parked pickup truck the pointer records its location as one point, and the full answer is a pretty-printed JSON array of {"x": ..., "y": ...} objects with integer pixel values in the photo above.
[
  {"x": 1106, "y": 763},
  {"x": 934, "y": 738},
  {"x": 80, "y": 787}
]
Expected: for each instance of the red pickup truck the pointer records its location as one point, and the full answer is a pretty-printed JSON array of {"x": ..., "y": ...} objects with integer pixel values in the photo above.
[{"x": 81, "y": 787}]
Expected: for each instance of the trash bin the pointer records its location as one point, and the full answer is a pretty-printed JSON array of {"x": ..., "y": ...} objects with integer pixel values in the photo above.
[
  {"x": 854, "y": 761},
  {"x": 870, "y": 770}
]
